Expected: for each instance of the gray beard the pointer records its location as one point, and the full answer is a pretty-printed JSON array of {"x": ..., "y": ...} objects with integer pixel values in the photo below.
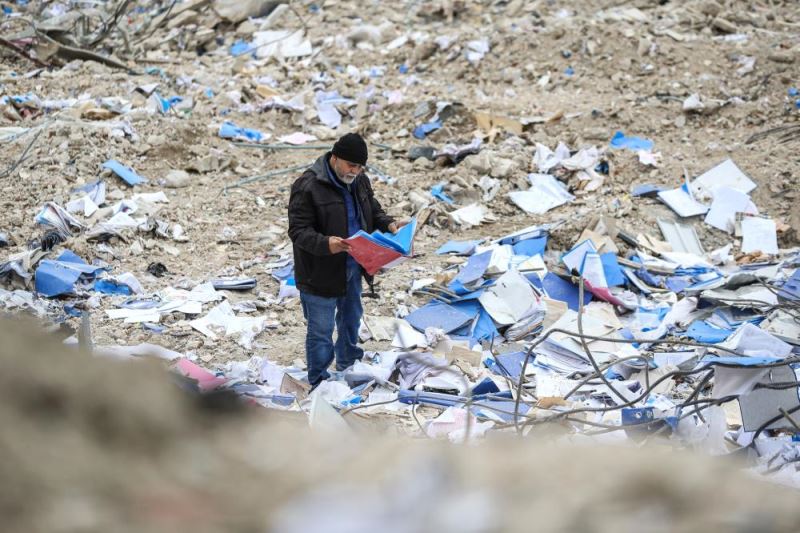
[{"x": 348, "y": 180}]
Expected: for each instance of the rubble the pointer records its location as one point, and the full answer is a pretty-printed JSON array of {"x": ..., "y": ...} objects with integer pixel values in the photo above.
[{"x": 606, "y": 233}]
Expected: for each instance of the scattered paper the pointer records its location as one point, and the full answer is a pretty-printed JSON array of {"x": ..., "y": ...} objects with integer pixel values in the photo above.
[
  {"x": 726, "y": 174},
  {"x": 546, "y": 193},
  {"x": 509, "y": 299},
  {"x": 682, "y": 203},
  {"x": 759, "y": 235},
  {"x": 471, "y": 215}
]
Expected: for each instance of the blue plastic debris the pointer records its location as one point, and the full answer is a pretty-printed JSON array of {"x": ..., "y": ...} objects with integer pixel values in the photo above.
[
  {"x": 403, "y": 69},
  {"x": 619, "y": 141},
  {"x": 57, "y": 277},
  {"x": 531, "y": 247},
  {"x": 487, "y": 386},
  {"x": 283, "y": 273},
  {"x": 573, "y": 259},
  {"x": 475, "y": 268},
  {"x": 472, "y": 293},
  {"x": 677, "y": 284},
  {"x": 209, "y": 93},
  {"x": 437, "y": 191},
  {"x": 458, "y": 247},
  {"x": 559, "y": 289},
  {"x": 632, "y": 416},
  {"x": 437, "y": 315},
  {"x": 229, "y": 130},
  {"x": 612, "y": 270},
  {"x": 68, "y": 256},
  {"x": 127, "y": 174},
  {"x": 482, "y": 406},
  {"x": 421, "y": 131},
  {"x": 510, "y": 364},
  {"x": 165, "y": 104},
  {"x": 499, "y": 409},
  {"x": 702, "y": 331},
  {"x": 569, "y": 71},
  {"x": 401, "y": 242},
  {"x": 793, "y": 91},
  {"x": 240, "y": 47},
  {"x": 479, "y": 330},
  {"x": 649, "y": 278},
  {"x": 108, "y": 286}
]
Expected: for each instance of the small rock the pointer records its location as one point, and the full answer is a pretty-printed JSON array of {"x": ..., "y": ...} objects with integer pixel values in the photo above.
[
  {"x": 424, "y": 51},
  {"x": 502, "y": 168},
  {"x": 177, "y": 179},
  {"x": 246, "y": 29},
  {"x": 724, "y": 26},
  {"x": 183, "y": 19},
  {"x": 710, "y": 8},
  {"x": 782, "y": 57},
  {"x": 693, "y": 104},
  {"x": 480, "y": 163},
  {"x": 423, "y": 163},
  {"x": 156, "y": 140},
  {"x": 194, "y": 344}
]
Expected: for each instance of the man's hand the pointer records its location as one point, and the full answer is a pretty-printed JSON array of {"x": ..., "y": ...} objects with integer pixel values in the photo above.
[
  {"x": 394, "y": 227},
  {"x": 337, "y": 245}
]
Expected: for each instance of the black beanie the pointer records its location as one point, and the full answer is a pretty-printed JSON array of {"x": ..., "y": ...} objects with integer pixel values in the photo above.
[{"x": 351, "y": 147}]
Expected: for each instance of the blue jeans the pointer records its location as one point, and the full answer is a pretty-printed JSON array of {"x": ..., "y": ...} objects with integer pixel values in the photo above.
[{"x": 321, "y": 314}]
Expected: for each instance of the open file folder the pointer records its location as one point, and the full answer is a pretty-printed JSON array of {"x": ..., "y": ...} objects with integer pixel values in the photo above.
[{"x": 377, "y": 250}]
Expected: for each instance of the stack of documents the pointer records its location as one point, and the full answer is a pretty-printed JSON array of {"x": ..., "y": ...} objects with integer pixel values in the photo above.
[{"x": 564, "y": 353}]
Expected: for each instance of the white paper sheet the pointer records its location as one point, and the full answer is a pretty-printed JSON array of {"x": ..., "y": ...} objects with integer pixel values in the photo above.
[
  {"x": 546, "y": 193},
  {"x": 726, "y": 174},
  {"x": 727, "y": 202},
  {"x": 407, "y": 337},
  {"x": 759, "y": 234},
  {"x": 750, "y": 340},
  {"x": 471, "y": 215},
  {"x": 509, "y": 299},
  {"x": 574, "y": 258},
  {"x": 592, "y": 270},
  {"x": 683, "y": 204}
]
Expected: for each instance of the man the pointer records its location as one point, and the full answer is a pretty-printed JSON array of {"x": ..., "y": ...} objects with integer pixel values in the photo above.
[{"x": 331, "y": 201}]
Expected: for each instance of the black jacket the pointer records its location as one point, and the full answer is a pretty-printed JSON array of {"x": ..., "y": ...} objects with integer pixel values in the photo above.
[{"x": 317, "y": 211}]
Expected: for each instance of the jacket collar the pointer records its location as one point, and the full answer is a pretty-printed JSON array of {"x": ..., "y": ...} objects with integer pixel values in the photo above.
[{"x": 320, "y": 169}]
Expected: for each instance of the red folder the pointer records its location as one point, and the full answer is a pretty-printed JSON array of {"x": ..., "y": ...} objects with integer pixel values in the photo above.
[{"x": 370, "y": 255}]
